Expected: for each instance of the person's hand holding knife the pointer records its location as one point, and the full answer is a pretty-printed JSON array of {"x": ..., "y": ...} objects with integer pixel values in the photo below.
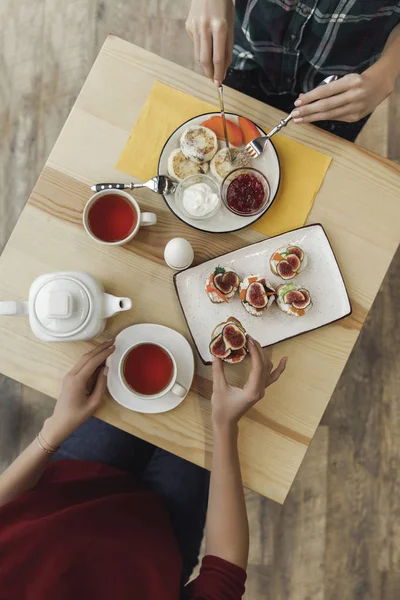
[{"x": 210, "y": 25}]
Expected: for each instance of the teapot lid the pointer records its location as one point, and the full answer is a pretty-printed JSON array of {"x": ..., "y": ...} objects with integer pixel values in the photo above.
[{"x": 62, "y": 306}]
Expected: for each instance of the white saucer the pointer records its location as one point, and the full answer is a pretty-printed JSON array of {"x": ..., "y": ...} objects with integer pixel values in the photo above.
[{"x": 176, "y": 344}]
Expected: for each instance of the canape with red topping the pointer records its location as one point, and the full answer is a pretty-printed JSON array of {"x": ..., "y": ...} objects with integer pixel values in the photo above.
[
  {"x": 221, "y": 285},
  {"x": 287, "y": 262}
]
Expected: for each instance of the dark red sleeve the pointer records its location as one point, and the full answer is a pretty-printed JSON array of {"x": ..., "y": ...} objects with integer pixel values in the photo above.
[{"x": 218, "y": 580}]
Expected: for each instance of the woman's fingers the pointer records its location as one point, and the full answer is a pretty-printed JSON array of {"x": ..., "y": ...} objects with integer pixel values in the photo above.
[
  {"x": 348, "y": 113},
  {"x": 326, "y": 106},
  {"x": 276, "y": 373},
  {"x": 89, "y": 355},
  {"x": 219, "y": 379},
  {"x": 219, "y": 51},
  {"x": 91, "y": 382},
  {"x": 206, "y": 51},
  {"x": 100, "y": 387},
  {"x": 189, "y": 28},
  {"x": 258, "y": 366},
  {"x": 229, "y": 50},
  {"x": 341, "y": 100},
  {"x": 212, "y": 22},
  {"x": 196, "y": 44},
  {"x": 94, "y": 362},
  {"x": 328, "y": 90}
]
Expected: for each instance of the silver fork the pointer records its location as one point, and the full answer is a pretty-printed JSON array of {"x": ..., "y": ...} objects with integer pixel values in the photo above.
[
  {"x": 257, "y": 146},
  {"x": 161, "y": 184}
]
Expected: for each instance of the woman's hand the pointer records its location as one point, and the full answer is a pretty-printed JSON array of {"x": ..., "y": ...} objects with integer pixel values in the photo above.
[
  {"x": 81, "y": 394},
  {"x": 348, "y": 99},
  {"x": 229, "y": 403},
  {"x": 210, "y": 25}
]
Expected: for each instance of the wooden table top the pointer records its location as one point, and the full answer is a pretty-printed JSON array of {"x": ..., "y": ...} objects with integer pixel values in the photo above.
[{"x": 358, "y": 205}]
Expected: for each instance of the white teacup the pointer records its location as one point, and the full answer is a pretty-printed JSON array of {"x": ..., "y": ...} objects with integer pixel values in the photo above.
[
  {"x": 173, "y": 386},
  {"x": 144, "y": 219}
]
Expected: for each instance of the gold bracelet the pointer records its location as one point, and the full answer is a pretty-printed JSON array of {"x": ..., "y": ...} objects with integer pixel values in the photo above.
[
  {"x": 40, "y": 436},
  {"x": 42, "y": 447}
]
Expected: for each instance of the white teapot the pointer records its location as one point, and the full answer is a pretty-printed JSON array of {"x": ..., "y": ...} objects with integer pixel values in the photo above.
[{"x": 67, "y": 306}]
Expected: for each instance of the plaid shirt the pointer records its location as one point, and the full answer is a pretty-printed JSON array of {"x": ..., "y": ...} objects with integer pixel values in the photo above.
[{"x": 298, "y": 43}]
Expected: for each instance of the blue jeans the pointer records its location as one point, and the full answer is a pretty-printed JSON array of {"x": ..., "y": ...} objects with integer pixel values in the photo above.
[{"x": 182, "y": 485}]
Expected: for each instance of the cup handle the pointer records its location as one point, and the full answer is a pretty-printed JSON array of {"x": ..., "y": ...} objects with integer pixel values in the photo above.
[
  {"x": 147, "y": 219},
  {"x": 179, "y": 390}
]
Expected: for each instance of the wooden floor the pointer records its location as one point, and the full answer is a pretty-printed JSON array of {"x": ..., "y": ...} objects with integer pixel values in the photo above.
[{"x": 338, "y": 535}]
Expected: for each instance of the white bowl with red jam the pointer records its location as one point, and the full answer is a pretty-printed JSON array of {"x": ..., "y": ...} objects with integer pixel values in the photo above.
[{"x": 245, "y": 192}]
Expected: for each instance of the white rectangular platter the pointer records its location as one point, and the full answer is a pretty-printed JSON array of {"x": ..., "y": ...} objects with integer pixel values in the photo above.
[{"x": 321, "y": 276}]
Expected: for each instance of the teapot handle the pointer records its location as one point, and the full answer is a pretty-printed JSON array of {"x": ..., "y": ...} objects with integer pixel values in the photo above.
[
  {"x": 113, "y": 305},
  {"x": 12, "y": 308}
]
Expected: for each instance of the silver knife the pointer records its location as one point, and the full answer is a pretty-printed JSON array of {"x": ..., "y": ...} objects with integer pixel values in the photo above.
[{"x": 222, "y": 109}]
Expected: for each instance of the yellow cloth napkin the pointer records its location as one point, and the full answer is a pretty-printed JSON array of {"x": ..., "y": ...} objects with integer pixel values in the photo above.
[{"x": 303, "y": 169}]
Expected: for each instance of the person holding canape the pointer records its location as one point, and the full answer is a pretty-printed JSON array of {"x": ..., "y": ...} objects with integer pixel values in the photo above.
[
  {"x": 280, "y": 51},
  {"x": 108, "y": 515}
]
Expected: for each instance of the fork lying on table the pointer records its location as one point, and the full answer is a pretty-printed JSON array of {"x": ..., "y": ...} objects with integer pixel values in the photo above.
[
  {"x": 161, "y": 184},
  {"x": 257, "y": 146}
]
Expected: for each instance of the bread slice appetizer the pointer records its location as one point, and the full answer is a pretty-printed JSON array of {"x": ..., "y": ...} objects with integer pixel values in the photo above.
[
  {"x": 221, "y": 166},
  {"x": 199, "y": 143},
  {"x": 256, "y": 294},
  {"x": 180, "y": 167},
  {"x": 228, "y": 341},
  {"x": 293, "y": 299},
  {"x": 222, "y": 285},
  {"x": 287, "y": 262}
]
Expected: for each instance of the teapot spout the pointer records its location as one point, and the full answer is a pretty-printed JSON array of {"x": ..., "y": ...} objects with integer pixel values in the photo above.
[
  {"x": 112, "y": 305},
  {"x": 13, "y": 308}
]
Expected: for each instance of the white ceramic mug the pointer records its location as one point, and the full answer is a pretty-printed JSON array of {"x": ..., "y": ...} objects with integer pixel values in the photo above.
[
  {"x": 144, "y": 219},
  {"x": 173, "y": 386}
]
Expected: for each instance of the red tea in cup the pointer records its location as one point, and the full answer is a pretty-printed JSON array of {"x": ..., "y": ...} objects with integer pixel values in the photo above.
[
  {"x": 112, "y": 218},
  {"x": 148, "y": 369}
]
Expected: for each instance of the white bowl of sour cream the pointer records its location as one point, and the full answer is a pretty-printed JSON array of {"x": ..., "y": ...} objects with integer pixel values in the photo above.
[{"x": 198, "y": 197}]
